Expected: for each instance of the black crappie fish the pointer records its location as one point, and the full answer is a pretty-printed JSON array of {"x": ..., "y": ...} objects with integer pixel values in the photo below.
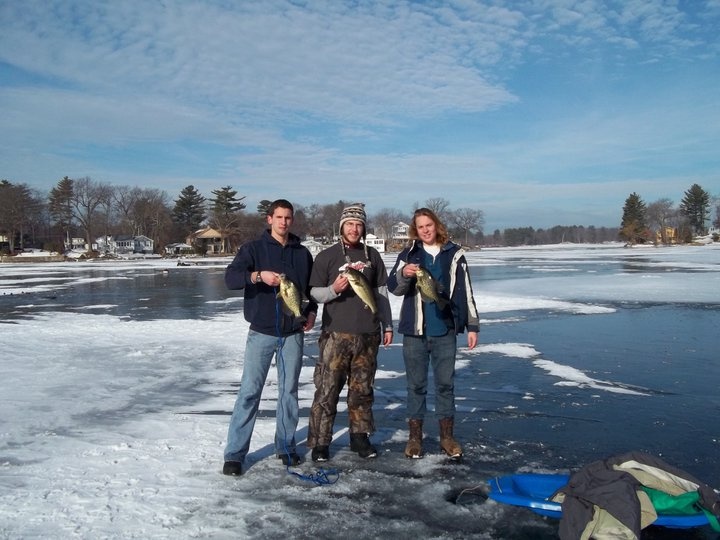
[
  {"x": 362, "y": 288},
  {"x": 429, "y": 288},
  {"x": 290, "y": 297}
]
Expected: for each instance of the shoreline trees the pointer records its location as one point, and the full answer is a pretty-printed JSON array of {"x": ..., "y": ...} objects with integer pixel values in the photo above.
[
  {"x": 84, "y": 206},
  {"x": 670, "y": 225}
]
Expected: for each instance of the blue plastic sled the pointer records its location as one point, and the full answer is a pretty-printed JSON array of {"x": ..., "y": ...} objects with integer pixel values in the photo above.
[{"x": 532, "y": 491}]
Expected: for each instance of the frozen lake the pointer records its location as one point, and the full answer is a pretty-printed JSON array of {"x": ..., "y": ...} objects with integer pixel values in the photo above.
[{"x": 118, "y": 379}]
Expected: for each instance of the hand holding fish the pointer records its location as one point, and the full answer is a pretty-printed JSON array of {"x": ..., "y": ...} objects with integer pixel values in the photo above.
[
  {"x": 409, "y": 270},
  {"x": 340, "y": 284},
  {"x": 430, "y": 289},
  {"x": 270, "y": 278}
]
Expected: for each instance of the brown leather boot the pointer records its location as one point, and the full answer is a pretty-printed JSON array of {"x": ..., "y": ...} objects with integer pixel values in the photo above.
[
  {"x": 414, "y": 449},
  {"x": 449, "y": 445}
]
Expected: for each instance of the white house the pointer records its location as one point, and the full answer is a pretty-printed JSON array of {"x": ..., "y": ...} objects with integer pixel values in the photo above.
[
  {"x": 178, "y": 248},
  {"x": 314, "y": 247},
  {"x": 400, "y": 231},
  {"x": 76, "y": 244},
  {"x": 373, "y": 241},
  {"x": 125, "y": 244}
]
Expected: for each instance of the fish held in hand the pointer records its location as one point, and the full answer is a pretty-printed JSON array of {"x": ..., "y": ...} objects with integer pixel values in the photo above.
[
  {"x": 361, "y": 286},
  {"x": 290, "y": 297},
  {"x": 429, "y": 288}
]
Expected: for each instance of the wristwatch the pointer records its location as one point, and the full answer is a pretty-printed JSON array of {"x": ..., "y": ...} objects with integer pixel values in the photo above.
[{"x": 258, "y": 278}]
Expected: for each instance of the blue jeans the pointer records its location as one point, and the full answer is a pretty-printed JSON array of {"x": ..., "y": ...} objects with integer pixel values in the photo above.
[
  {"x": 259, "y": 352},
  {"x": 420, "y": 352}
]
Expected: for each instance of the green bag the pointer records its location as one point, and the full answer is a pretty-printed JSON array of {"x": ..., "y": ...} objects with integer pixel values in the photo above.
[{"x": 685, "y": 504}]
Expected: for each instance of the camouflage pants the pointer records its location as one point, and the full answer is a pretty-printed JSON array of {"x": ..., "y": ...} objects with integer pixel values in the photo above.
[{"x": 350, "y": 358}]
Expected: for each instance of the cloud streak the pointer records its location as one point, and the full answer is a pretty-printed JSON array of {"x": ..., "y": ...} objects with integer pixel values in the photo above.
[{"x": 389, "y": 102}]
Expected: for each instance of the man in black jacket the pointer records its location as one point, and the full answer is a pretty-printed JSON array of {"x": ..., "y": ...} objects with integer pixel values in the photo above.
[{"x": 256, "y": 270}]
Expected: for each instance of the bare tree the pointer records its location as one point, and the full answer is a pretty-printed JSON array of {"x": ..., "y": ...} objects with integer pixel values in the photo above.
[
  {"x": 467, "y": 220},
  {"x": 125, "y": 199},
  {"x": 107, "y": 205},
  {"x": 88, "y": 195},
  {"x": 151, "y": 215},
  {"x": 313, "y": 219},
  {"x": 384, "y": 221},
  {"x": 329, "y": 219},
  {"x": 439, "y": 206},
  {"x": 659, "y": 215}
]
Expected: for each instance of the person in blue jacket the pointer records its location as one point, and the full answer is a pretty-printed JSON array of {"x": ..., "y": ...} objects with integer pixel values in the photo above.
[
  {"x": 256, "y": 269},
  {"x": 433, "y": 312}
]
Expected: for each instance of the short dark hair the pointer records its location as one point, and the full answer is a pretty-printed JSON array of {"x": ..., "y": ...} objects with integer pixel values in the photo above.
[{"x": 280, "y": 203}]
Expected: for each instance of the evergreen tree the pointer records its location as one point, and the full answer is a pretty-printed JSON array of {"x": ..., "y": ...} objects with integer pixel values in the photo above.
[
  {"x": 262, "y": 208},
  {"x": 17, "y": 208},
  {"x": 226, "y": 202},
  {"x": 226, "y": 212},
  {"x": 60, "y": 205},
  {"x": 695, "y": 206},
  {"x": 189, "y": 211},
  {"x": 521, "y": 236},
  {"x": 633, "y": 228}
]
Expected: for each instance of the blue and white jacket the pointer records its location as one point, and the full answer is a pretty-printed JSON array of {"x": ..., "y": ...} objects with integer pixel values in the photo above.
[{"x": 455, "y": 280}]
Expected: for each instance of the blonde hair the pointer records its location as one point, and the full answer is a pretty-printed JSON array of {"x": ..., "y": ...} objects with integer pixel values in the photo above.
[{"x": 440, "y": 229}]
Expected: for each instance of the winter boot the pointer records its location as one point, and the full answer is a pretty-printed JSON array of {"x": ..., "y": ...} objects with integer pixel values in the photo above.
[
  {"x": 414, "y": 449},
  {"x": 360, "y": 443},
  {"x": 290, "y": 460},
  {"x": 449, "y": 445},
  {"x": 232, "y": 468},
  {"x": 320, "y": 453}
]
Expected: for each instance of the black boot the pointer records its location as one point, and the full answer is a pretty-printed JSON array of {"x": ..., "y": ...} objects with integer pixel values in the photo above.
[
  {"x": 290, "y": 460},
  {"x": 360, "y": 443},
  {"x": 321, "y": 453},
  {"x": 232, "y": 468}
]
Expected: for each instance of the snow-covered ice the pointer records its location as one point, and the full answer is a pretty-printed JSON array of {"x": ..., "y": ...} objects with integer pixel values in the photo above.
[{"x": 114, "y": 426}]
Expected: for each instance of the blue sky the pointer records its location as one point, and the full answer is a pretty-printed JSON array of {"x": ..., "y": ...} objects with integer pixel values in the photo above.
[{"x": 538, "y": 113}]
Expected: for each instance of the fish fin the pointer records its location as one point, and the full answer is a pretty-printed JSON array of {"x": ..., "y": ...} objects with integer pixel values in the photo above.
[
  {"x": 425, "y": 298},
  {"x": 288, "y": 312}
]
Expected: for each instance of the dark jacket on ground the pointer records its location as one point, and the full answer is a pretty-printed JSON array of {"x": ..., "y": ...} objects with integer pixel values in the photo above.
[
  {"x": 261, "y": 306},
  {"x": 455, "y": 280},
  {"x": 607, "y": 495}
]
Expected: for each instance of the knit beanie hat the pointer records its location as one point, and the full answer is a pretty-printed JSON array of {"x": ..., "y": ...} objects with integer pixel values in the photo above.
[{"x": 354, "y": 211}]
